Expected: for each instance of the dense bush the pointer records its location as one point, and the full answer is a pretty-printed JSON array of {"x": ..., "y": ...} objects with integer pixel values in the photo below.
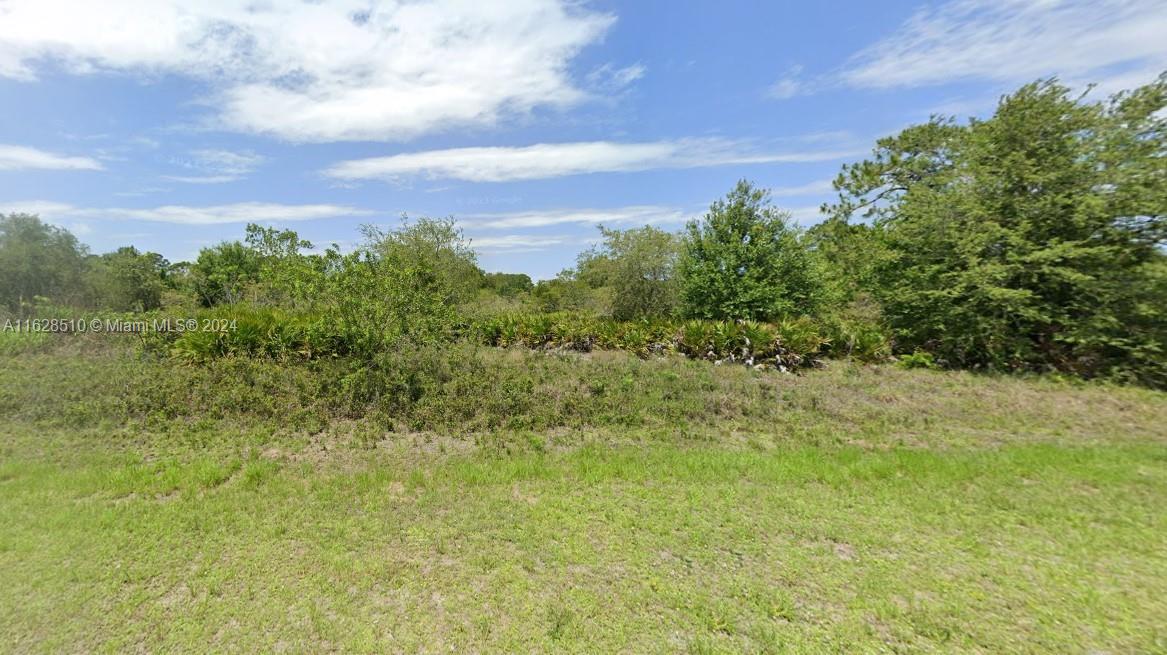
[
  {"x": 746, "y": 260},
  {"x": 223, "y": 273},
  {"x": 37, "y": 259},
  {"x": 638, "y": 266},
  {"x": 129, "y": 280},
  {"x": 275, "y": 333}
]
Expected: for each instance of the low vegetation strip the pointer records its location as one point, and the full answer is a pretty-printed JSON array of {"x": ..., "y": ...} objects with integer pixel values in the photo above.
[{"x": 457, "y": 393}]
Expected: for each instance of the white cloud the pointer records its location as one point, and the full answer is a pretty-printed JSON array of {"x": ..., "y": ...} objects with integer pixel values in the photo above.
[
  {"x": 545, "y": 160},
  {"x": 226, "y": 162},
  {"x": 322, "y": 71},
  {"x": 1113, "y": 42},
  {"x": 805, "y": 216},
  {"x": 217, "y": 166},
  {"x": 243, "y": 212},
  {"x": 201, "y": 179},
  {"x": 236, "y": 213},
  {"x": 789, "y": 85},
  {"x": 809, "y": 189},
  {"x": 519, "y": 243},
  {"x": 42, "y": 208},
  {"x": 634, "y": 215},
  {"x": 21, "y": 157},
  {"x": 610, "y": 78}
]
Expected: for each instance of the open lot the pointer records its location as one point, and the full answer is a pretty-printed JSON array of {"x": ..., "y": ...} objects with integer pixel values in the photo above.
[{"x": 885, "y": 510}]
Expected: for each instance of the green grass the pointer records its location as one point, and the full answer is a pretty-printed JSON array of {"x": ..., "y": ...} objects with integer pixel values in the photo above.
[{"x": 853, "y": 509}]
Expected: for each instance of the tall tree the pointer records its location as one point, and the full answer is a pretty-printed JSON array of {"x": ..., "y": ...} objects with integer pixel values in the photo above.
[
  {"x": 432, "y": 247},
  {"x": 1018, "y": 241},
  {"x": 38, "y": 259},
  {"x": 285, "y": 275},
  {"x": 746, "y": 260},
  {"x": 129, "y": 280},
  {"x": 639, "y": 265}
]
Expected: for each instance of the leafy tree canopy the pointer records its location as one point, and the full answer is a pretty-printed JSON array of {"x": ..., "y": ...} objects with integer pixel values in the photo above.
[
  {"x": 745, "y": 260},
  {"x": 38, "y": 259},
  {"x": 1025, "y": 240}
]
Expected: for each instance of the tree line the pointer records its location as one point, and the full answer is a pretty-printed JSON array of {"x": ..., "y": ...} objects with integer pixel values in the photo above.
[{"x": 1032, "y": 240}]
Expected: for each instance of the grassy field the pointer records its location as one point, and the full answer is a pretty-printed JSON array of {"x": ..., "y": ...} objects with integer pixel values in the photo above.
[{"x": 640, "y": 506}]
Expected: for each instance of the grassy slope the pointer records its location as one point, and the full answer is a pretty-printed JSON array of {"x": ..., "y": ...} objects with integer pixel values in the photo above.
[{"x": 851, "y": 509}]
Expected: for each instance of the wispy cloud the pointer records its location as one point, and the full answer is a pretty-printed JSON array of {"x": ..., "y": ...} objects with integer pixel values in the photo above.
[
  {"x": 789, "y": 85},
  {"x": 1018, "y": 40},
  {"x": 201, "y": 179},
  {"x": 323, "y": 71},
  {"x": 805, "y": 216},
  {"x": 633, "y": 215},
  {"x": 611, "y": 78},
  {"x": 520, "y": 243},
  {"x": 243, "y": 212},
  {"x": 1117, "y": 44},
  {"x": 228, "y": 162},
  {"x": 809, "y": 189},
  {"x": 42, "y": 208},
  {"x": 21, "y": 158},
  {"x": 217, "y": 166},
  {"x": 547, "y": 160}
]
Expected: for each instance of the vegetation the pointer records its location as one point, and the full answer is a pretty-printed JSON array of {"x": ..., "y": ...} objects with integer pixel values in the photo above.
[
  {"x": 1029, "y": 241},
  {"x": 639, "y": 267},
  {"x": 518, "y": 500},
  {"x": 391, "y": 449},
  {"x": 38, "y": 260},
  {"x": 745, "y": 261}
]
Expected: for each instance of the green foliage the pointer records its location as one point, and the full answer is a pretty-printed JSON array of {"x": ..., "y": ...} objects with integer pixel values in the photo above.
[
  {"x": 371, "y": 302},
  {"x": 431, "y": 247},
  {"x": 128, "y": 280},
  {"x": 37, "y": 259},
  {"x": 745, "y": 260},
  {"x": 1027, "y": 240},
  {"x": 639, "y": 267},
  {"x": 786, "y": 345},
  {"x": 849, "y": 258},
  {"x": 286, "y": 276},
  {"x": 222, "y": 274},
  {"x": 918, "y": 359},
  {"x": 508, "y": 285},
  {"x": 15, "y": 343},
  {"x": 565, "y": 293}
]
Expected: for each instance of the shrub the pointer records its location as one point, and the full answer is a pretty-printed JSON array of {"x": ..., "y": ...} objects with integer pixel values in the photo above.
[
  {"x": 918, "y": 359},
  {"x": 745, "y": 260}
]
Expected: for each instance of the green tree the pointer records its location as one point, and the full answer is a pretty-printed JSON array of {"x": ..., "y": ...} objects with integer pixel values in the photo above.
[
  {"x": 639, "y": 266},
  {"x": 508, "y": 285},
  {"x": 128, "y": 280},
  {"x": 434, "y": 247},
  {"x": 286, "y": 276},
  {"x": 564, "y": 293},
  {"x": 37, "y": 259},
  {"x": 745, "y": 260},
  {"x": 223, "y": 273},
  {"x": 1019, "y": 241}
]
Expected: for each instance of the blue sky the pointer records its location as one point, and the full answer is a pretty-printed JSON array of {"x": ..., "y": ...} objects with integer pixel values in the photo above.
[{"x": 169, "y": 125}]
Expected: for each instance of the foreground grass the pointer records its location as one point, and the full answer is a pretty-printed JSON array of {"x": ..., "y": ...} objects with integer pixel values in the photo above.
[
  {"x": 872, "y": 510},
  {"x": 1034, "y": 548}
]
